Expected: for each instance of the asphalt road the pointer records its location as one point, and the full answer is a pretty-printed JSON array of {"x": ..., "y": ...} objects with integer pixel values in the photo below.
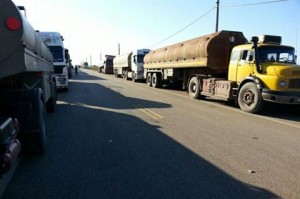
[{"x": 111, "y": 138}]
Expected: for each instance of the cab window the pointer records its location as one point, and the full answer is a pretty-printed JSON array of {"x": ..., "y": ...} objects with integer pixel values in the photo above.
[
  {"x": 247, "y": 55},
  {"x": 235, "y": 56}
]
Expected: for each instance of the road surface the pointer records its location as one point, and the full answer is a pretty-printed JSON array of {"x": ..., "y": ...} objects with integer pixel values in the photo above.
[{"x": 112, "y": 138}]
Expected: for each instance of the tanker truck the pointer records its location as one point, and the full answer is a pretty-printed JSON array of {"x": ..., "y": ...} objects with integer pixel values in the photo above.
[
  {"x": 55, "y": 42},
  {"x": 224, "y": 65},
  {"x": 27, "y": 87},
  {"x": 130, "y": 65}
]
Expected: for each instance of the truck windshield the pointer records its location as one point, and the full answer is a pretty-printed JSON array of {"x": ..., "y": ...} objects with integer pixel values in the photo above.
[
  {"x": 58, "y": 69},
  {"x": 57, "y": 52},
  {"x": 109, "y": 62},
  {"x": 276, "y": 54}
]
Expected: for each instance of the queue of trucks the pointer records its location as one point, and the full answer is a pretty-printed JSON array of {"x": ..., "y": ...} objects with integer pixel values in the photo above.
[
  {"x": 32, "y": 66},
  {"x": 222, "y": 65}
]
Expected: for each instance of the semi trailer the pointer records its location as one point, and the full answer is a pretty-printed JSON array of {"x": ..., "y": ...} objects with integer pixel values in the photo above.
[
  {"x": 27, "y": 87},
  {"x": 55, "y": 42},
  {"x": 130, "y": 65},
  {"x": 224, "y": 65}
]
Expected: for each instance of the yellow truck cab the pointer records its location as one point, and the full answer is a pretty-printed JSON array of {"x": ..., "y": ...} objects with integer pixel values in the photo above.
[{"x": 270, "y": 67}]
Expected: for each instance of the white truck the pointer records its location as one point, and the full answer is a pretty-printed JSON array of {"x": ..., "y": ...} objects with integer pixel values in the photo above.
[
  {"x": 54, "y": 41},
  {"x": 27, "y": 87},
  {"x": 130, "y": 65}
]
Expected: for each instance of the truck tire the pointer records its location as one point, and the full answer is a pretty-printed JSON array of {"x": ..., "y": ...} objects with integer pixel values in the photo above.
[
  {"x": 194, "y": 88},
  {"x": 40, "y": 140},
  {"x": 156, "y": 80},
  {"x": 133, "y": 77},
  {"x": 34, "y": 141},
  {"x": 126, "y": 75},
  {"x": 50, "y": 105},
  {"x": 250, "y": 98},
  {"x": 149, "y": 79}
]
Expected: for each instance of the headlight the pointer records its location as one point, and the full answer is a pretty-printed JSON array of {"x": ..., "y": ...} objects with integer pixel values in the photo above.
[{"x": 282, "y": 83}]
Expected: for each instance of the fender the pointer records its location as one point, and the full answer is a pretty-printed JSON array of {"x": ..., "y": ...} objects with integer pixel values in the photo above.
[{"x": 254, "y": 79}]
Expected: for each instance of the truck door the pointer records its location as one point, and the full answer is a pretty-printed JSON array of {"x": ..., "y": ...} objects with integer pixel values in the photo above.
[
  {"x": 233, "y": 64},
  {"x": 241, "y": 65}
]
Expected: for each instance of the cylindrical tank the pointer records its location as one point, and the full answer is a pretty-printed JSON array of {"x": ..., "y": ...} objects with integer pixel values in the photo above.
[
  {"x": 17, "y": 37},
  {"x": 211, "y": 51},
  {"x": 123, "y": 61}
]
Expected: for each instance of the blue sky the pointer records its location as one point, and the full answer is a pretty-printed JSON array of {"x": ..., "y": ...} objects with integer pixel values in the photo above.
[{"x": 95, "y": 27}]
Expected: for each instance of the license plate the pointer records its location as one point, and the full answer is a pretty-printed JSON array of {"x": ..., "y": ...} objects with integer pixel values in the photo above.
[{"x": 61, "y": 79}]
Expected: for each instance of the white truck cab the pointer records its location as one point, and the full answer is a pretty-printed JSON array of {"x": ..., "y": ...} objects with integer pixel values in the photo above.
[{"x": 54, "y": 41}]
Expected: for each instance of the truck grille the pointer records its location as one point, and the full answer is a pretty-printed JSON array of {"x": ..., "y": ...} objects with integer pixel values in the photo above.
[{"x": 294, "y": 83}]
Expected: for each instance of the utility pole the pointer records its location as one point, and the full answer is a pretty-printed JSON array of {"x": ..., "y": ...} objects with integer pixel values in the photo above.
[
  {"x": 217, "y": 17},
  {"x": 91, "y": 60},
  {"x": 119, "y": 49}
]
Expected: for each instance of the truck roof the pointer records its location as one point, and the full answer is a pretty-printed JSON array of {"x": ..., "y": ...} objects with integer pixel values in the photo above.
[
  {"x": 250, "y": 46},
  {"x": 51, "y": 38}
]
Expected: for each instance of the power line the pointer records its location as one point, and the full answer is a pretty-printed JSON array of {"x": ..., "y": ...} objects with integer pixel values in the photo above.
[
  {"x": 183, "y": 28},
  {"x": 237, "y": 5},
  {"x": 252, "y": 4}
]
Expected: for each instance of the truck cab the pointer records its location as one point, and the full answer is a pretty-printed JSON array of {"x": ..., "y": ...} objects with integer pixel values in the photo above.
[
  {"x": 54, "y": 42},
  {"x": 138, "y": 64},
  {"x": 271, "y": 66}
]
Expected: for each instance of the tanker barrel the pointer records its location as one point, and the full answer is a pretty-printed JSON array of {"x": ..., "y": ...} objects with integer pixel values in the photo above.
[
  {"x": 123, "y": 61},
  {"x": 210, "y": 51},
  {"x": 18, "y": 32}
]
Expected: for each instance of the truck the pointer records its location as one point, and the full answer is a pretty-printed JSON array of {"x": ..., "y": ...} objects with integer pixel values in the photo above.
[
  {"x": 225, "y": 66},
  {"x": 130, "y": 65},
  {"x": 107, "y": 66},
  {"x": 55, "y": 42},
  {"x": 27, "y": 86}
]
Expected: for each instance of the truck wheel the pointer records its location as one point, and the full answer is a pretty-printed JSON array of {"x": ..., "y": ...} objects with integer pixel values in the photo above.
[
  {"x": 250, "y": 99},
  {"x": 156, "y": 80},
  {"x": 41, "y": 136},
  {"x": 35, "y": 142},
  {"x": 194, "y": 88},
  {"x": 126, "y": 75},
  {"x": 50, "y": 105},
  {"x": 133, "y": 77},
  {"x": 149, "y": 79}
]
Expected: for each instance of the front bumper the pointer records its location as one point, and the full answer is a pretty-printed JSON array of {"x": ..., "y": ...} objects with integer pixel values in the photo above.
[
  {"x": 281, "y": 97},
  {"x": 61, "y": 81}
]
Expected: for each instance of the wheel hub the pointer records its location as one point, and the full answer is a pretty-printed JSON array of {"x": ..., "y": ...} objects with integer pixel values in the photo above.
[{"x": 248, "y": 98}]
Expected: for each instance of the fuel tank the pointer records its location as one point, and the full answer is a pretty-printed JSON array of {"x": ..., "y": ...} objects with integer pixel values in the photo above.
[
  {"x": 211, "y": 51},
  {"x": 21, "y": 49}
]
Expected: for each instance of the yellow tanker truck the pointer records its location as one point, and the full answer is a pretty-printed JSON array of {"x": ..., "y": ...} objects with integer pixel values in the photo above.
[{"x": 226, "y": 66}]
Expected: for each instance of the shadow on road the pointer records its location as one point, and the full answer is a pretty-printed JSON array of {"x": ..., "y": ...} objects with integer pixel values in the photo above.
[
  {"x": 96, "y": 153},
  {"x": 106, "y": 97}
]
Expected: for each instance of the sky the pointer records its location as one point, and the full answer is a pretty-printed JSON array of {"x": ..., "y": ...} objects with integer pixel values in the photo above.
[{"x": 94, "y": 28}]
